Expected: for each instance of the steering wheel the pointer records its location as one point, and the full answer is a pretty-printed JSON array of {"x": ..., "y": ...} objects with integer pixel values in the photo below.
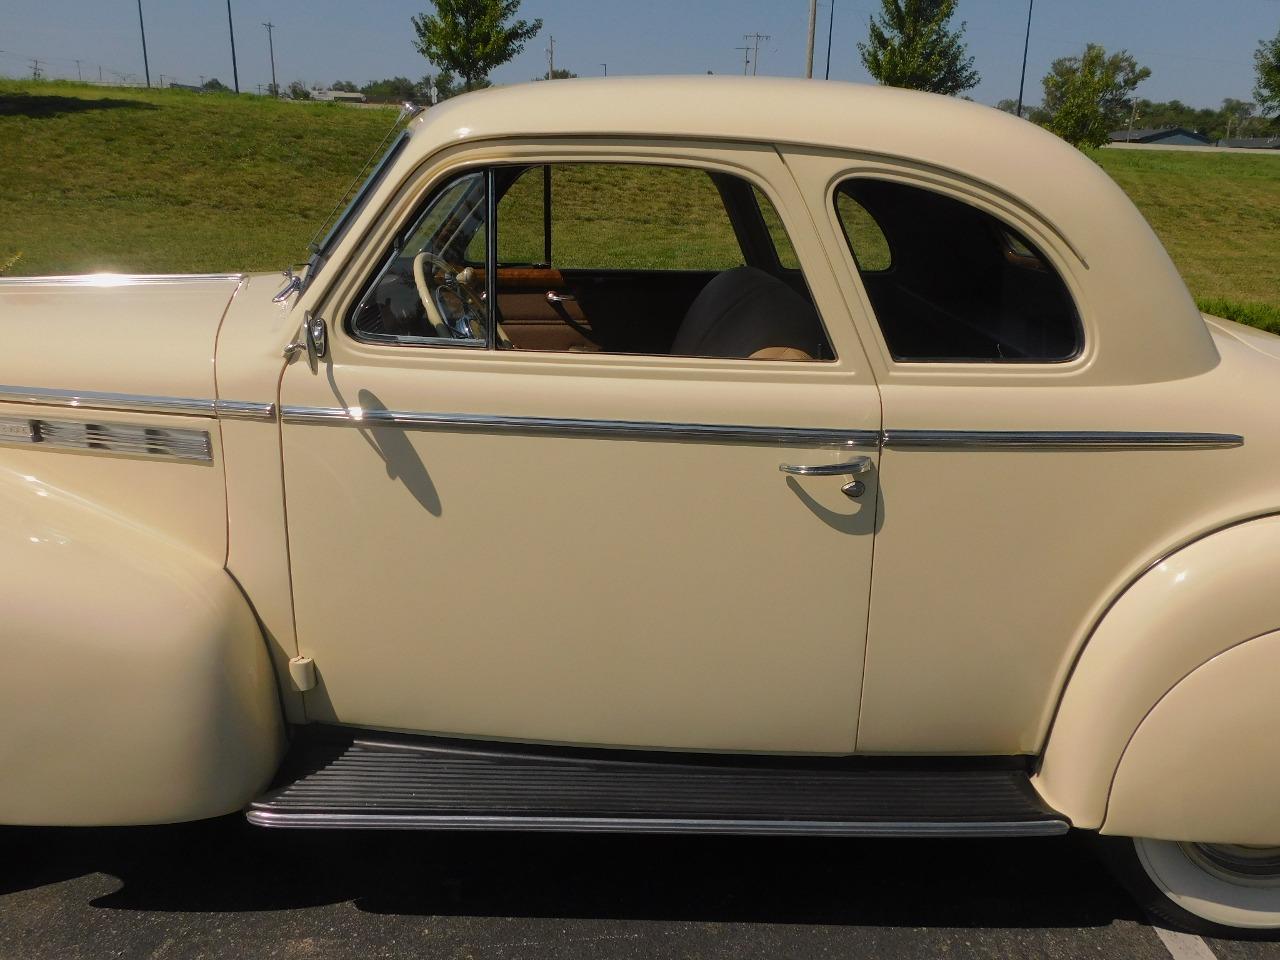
[{"x": 452, "y": 307}]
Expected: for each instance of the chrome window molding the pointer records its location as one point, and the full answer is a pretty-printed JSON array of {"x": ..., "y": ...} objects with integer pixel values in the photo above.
[
  {"x": 138, "y": 403},
  {"x": 127, "y": 438},
  {"x": 587, "y": 428},
  {"x": 1056, "y": 439},
  {"x": 117, "y": 279}
]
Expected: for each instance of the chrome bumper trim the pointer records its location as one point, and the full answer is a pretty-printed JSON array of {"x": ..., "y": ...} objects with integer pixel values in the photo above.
[
  {"x": 138, "y": 403},
  {"x": 584, "y": 428}
]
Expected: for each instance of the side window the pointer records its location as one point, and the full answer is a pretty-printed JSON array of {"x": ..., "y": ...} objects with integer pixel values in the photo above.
[
  {"x": 648, "y": 259},
  {"x": 777, "y": 232},
  {"x": 618, "y": 216},
  {"x": 949, "y": 282},
  {"x": 428, "y": 289},
  {"x": 604, "y": 257}
]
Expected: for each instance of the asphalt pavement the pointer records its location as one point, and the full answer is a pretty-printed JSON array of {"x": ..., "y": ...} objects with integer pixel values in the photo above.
[{"x": 225, "y": 889}]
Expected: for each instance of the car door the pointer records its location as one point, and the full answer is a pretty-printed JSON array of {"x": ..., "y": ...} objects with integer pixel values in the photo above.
[
  {"x": 573, "y": 547},
  {"x": 1032, "y": 465}
]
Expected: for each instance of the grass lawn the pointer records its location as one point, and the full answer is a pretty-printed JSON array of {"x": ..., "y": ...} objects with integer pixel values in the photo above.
[{"x": 172, "y": 181}]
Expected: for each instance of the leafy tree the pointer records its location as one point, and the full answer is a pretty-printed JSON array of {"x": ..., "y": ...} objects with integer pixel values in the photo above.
[
  {"x": 1008, "y": 106},
  {"x": 470, "y": 38},
  {"x": 346, "y": 86},
  {"x": 214, "y": 85},
  {"x": 558, "y": 74},
  {"x": 910, "y": 44},
  {"x": 391, "y": 89},
  {"x": 298, "y": 91},
  {"x": 1087, "y": 97},
  {"x": 1266, "y": 61}
]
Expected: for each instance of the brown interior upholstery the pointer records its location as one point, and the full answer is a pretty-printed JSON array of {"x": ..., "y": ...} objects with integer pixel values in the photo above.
[{"x": 744, "y": 312}]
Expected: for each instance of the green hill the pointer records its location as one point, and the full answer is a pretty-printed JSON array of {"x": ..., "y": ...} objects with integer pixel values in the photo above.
[{"x": 173, "y": 181}]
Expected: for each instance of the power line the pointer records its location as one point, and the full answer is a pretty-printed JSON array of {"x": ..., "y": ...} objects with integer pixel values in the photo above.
[
  {"x": 275, "y": 88},
  {"x": 755, "y": 57}
]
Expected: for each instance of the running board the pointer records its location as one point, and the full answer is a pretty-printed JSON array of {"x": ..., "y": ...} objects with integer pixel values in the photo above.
[{"x": 364, "y": 780}]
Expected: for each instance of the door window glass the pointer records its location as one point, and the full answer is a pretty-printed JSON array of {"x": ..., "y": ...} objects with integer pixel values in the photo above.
[{"x": 429, "y": 289}]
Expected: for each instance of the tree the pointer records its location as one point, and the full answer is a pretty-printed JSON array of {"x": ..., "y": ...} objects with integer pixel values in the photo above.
[
  {"x": 214, "y": 85},
  {"x": 911, "y": 45},
  {"x": 1087, "y": 97},
  {"x": 298, "y": 91},
  {"x": 558, "y": 74},
  {"x": 346, "y": 86},
  {"x": 391, "y": 90},
  {"x": 470, "y": 38},
  {"x": 1266, "y": 61}
]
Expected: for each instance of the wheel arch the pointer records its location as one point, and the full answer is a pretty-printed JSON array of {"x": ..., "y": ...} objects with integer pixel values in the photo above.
[{"x": 1186, "y": 609}]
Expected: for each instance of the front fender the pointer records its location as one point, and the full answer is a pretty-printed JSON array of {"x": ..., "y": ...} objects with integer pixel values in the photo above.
[
  {"x": 1186, "y": 610},
  {"x": 136, "y": 685}
]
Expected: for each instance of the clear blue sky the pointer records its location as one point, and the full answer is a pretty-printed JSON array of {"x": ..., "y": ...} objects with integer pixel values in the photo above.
[{"x": 1200, "y": 51}]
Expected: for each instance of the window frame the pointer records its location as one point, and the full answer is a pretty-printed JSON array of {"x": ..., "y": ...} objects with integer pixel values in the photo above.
[
  {"x": 394, "y": 244},
  {"x": 1006, "y": 215}
]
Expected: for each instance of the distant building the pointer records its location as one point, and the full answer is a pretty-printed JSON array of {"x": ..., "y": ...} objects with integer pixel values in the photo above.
[
  {"x": 1168, "y": 137},
  {"x": 341, "y": 96},
  {"x": 1252, "y": 143}
]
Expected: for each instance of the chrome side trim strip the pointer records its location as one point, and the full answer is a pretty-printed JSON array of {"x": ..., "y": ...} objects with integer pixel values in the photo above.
[
  {"x": 1056, "y": 439},
  {"x": 128, "y": 438},
  {"x": 116, "y": 279},
  {"x": 942, "y": 439},
  {"x": 586, "y": 428},
  {"x": 138, "y": 403},
  {"x": 814, "y": 828},
  {"x": 96, "y": 400},
  {"x": 244, "y": 410}
]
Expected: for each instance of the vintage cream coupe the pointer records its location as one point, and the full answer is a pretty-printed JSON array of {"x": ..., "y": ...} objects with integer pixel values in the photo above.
[{"x": 709, "y": 455}]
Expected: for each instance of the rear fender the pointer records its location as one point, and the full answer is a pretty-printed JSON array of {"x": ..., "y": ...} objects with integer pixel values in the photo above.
[{"x": 1191, "y": 607}]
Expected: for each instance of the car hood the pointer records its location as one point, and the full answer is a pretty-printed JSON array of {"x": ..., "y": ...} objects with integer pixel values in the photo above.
[
  {"x": 151, "y": 336},
  {"x": 1260, "y": 340}
]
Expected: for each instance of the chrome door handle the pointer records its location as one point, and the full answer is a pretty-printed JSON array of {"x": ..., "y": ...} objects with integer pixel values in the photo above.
[
  {"x": 553, "y": 297},
  {"x": 850, "y": 468}
]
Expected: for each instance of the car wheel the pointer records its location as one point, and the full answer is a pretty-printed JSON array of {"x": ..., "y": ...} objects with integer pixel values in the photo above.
[{"x": 1219, "y": 889}]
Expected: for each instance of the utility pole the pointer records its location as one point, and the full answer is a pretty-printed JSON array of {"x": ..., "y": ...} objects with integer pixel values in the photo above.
[
  {"x": 1026, "y": 45},
  {"x": 606, "y": 68},
  {"x": 755, "y": 57},
  {"x": 1133, "y": 117},
  {"x": 142, "y": 27},
  {"x": 231, "y": 28},
  {"x": 746, "y": 59},
  {"x": 831, "y": 28},
  {"x": 99, "y": 73},
  {"x": 551, "y": 59},
  {"x": 78, "y": 77},
  {"x": 162, "y": 81},
  {"x": 35, "y": 69},
  {"x": 275, "y": 88},
  {"x": 813, "y": 27}
]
